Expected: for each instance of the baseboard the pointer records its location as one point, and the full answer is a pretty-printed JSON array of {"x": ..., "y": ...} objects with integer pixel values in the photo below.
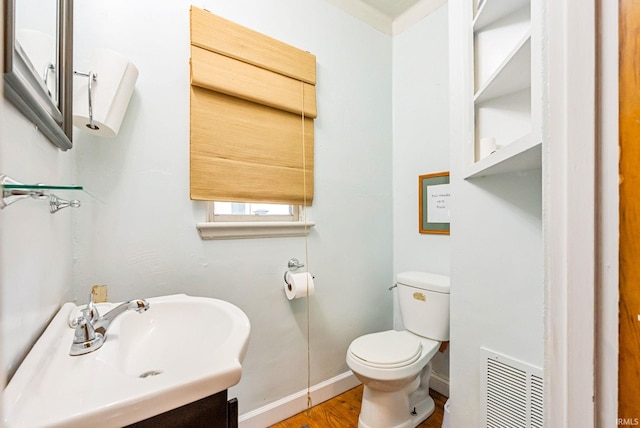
[
  {"x": 295, "y": 403},
  {"x": 439, "y": 384}
]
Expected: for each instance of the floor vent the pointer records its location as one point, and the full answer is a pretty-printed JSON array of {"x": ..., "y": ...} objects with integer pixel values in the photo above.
[{"x": 512, "y": 392}]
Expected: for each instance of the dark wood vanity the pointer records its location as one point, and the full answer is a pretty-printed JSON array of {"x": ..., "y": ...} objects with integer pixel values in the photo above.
[{"x": 214, "y": 411}]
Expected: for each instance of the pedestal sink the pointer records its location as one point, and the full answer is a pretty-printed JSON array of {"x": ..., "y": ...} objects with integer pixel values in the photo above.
[{"x": 181, "y": 350}]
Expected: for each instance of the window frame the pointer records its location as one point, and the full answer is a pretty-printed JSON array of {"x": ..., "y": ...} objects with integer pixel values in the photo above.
[
  {"x": 295, "y": 216},
  {"x": 251, "y": 226}
]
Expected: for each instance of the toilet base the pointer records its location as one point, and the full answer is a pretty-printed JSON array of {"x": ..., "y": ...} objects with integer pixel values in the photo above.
[{"x": 395, "y": 409}]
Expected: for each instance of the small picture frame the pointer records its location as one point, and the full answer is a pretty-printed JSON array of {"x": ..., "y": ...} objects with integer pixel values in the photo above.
[{"x": 434, "y": 203}]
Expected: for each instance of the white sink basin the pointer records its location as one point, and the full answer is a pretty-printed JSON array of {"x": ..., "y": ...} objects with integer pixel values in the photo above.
[{"x": 182, "y": 349}]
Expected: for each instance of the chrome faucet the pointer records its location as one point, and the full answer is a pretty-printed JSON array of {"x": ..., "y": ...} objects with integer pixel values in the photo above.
[
  {"x": 101, "y": 325},
  {"x": 91, "y": 328}
]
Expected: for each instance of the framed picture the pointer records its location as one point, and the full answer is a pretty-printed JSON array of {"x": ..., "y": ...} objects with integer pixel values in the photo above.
[{"x": 434, "y": 197}]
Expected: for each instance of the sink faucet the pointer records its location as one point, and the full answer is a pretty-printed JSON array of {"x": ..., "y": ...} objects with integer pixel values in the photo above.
[
  {"x": 91, "y": 328},
  {"x": 101, "y": 325}
]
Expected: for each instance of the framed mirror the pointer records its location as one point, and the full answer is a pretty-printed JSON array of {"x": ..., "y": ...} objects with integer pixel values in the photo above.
[{"x": 38, "y": 65}]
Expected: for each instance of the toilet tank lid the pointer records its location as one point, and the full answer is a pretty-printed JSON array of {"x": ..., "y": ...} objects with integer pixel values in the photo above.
[{"x": 424, "y": 281}]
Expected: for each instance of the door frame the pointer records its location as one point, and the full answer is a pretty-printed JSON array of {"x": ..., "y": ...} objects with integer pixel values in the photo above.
[
  {"x": 580, "y": 191},
  {"x": 607, "y": 215}
]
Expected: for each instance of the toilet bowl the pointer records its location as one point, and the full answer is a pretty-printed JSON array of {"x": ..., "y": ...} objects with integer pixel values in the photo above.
[{"x": 394, "y": 366}]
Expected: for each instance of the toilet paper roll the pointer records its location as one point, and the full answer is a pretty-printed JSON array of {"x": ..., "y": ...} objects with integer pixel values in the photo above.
[
  {"x": 111, "y": 93},
  {"x": 298, "y": 285},
  {"x": 487, "y": 146}
]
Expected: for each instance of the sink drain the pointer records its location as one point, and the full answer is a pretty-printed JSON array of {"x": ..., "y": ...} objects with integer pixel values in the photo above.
[{"x": 150, "y": 373}]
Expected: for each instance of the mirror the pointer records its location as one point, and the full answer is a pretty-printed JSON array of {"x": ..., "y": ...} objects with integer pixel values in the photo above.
[
  {"x": 36, "y": 34},
  {"x": 38, "y": 65}
]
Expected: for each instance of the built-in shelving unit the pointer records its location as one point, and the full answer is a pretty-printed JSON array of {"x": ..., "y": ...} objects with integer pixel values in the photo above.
[
  {"x": 521, "y": 155},
  {"x": 502, "y": 60},
  {"x": 489, "y": 11},
  {"x": 512, "y": 75}
]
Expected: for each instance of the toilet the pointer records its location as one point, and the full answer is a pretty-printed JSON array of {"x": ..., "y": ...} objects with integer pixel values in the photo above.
[{"x": 395, "y": 366}]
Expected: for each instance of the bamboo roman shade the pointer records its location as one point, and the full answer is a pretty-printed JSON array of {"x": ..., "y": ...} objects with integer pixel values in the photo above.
[{"x": 252, "y": 108}]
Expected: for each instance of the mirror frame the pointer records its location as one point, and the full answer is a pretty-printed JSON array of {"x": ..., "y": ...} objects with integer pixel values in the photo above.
[{"x": 26, "y": 89}]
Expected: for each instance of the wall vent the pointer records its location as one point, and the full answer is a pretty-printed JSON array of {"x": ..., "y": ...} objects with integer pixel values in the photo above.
[{"x": 512, "y": 392}]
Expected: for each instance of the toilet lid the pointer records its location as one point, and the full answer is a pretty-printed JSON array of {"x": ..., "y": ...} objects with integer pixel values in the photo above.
[{"x": 387, "y": 349}]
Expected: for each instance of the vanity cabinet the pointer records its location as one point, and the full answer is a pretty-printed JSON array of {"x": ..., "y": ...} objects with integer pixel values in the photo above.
[
  {"x": 213, "y": 411},
  {"x": 503, "y": 89}
]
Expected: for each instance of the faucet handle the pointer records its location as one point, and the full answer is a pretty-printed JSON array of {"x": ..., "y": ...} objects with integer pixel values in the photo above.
[
  {"x": 91, "y": 311},
  {"x": 84, "y": 330},
  {"x": 85, "y": 338}
]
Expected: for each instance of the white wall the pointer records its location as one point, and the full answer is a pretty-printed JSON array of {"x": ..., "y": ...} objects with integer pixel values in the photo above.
[
  {"x": 35, "y": 246},
  {"x": 497, "y": 280},
  {"x": 420, "y": 143},
  {"x": 143, "y": 242}
]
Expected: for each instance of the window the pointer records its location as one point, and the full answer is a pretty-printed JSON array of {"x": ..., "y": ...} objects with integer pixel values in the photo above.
[
  {"x": 231, "y": 220},
  {"x": 253, "y": 104},
  {"x": 238, "y": 211}
]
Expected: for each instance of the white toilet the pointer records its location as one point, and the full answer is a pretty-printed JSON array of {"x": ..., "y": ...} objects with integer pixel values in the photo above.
[{"x": 395, "y": 366}]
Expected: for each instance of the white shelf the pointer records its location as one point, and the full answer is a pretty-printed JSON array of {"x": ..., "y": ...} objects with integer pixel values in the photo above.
[
  {"x": 502, "y": 33},
  {"x": 495, "y": 45},
  {"x": 521, "y": 155},
  {"x": 492, "y": 10},
  {"x": 512, "y": 75}
]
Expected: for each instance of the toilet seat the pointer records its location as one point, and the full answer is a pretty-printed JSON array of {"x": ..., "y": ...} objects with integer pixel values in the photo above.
[{"x": 387, "y": 349}]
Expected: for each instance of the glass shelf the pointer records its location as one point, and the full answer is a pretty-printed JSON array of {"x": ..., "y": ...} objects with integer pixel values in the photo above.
[
  {"x": 40, "y": 187},
  {"x": 13, "y": 191}
]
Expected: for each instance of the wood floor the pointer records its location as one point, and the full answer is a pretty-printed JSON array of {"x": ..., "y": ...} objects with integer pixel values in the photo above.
[{"x": 342, "y": 412}]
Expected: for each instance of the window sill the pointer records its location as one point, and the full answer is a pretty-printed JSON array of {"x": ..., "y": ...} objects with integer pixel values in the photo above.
[{"x": 253, "y": 229}]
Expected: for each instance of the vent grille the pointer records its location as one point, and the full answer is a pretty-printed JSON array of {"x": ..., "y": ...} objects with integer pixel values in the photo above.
[
  {"x": 512, "y": 392},
  {"x": 537, "y": 402}
]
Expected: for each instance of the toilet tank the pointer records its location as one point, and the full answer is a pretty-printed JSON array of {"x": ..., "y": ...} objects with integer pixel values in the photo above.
[{"x": 424, "y": 304}]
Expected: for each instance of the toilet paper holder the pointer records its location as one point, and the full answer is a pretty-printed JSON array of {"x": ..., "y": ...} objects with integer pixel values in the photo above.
[{"x": 293, "y": 264}]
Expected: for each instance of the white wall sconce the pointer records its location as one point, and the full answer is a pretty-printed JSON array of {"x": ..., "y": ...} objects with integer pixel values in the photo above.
[{"x": 101, "y": 100}]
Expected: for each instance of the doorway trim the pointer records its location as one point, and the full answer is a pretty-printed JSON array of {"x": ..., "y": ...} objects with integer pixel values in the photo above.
[{"x": 581, "y": 213}]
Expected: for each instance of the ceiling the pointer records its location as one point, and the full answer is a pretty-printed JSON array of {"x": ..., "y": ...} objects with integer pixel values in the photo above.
[
  {"x": 391, "y": 8},
  {"x": 389, "y": 16}
]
